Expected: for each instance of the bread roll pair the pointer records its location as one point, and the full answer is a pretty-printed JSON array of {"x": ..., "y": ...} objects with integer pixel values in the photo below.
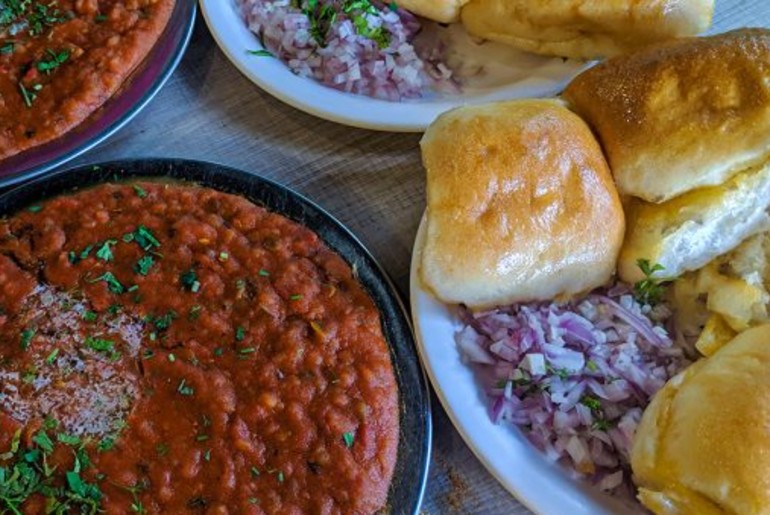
[
  {"x": 572, "y": 28},
  {"x": 686, "y": 130}
]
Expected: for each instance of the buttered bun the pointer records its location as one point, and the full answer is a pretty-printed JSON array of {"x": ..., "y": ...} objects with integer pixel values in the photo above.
[
  {"x": 680, "y": 116},
  {"x": 585, "y": 29},
  {"x": 689, "y": 231},
  {"x": 703, "y": 445},
  {"x": 521, "y": 205}
]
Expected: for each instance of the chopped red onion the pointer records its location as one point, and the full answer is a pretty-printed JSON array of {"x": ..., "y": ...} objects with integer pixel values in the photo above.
[
  {"x": 338, "y": 53},
  {"x": 575, "y": 376}
]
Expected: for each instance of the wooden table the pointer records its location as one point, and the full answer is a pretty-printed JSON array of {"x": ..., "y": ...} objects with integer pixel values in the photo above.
[{"x": 373, "y": 182}]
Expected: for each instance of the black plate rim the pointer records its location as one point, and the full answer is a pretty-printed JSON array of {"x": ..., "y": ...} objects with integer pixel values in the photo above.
[
  {"x": 122, "y": 120},
  {"x": 401, "y": 340}
]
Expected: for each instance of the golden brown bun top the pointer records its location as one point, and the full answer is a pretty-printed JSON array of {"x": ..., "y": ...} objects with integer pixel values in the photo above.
[
  {"x": 703, "y": 445},
  {"x": 682, "y": 115},
  {"x": 444, "y": 11},
  {"x": 521, "y": 205},
  {"x": 585, "y": 28}
]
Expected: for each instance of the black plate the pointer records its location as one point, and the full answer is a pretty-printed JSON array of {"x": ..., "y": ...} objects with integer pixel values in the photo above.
[
  {"x": 414, "y": 446},
  {"x": 141, "y": 87}
]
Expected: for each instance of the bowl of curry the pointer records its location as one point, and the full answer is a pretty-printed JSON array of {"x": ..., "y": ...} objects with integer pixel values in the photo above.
[
  {"x": 72, "y": 72},
  {"x": 182, "y": 337}
]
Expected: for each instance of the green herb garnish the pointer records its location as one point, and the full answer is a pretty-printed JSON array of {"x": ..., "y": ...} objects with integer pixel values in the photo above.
[
  {"x": 56, "y": 60},
  {"x": 260, "y": 53},
  {"x": 144, "y": 264},
  {"x": 349, "y": 439},
  {"x": 649, "y": 290},
  {"x": 112, "y": 282},
  {"x": 190, "y": 281},
  {"x": 105, "y": 252},
  {"x": 26, "y": 337},
  {"x": 184, "y": 389},
  {"x": 139, "y": 191}
]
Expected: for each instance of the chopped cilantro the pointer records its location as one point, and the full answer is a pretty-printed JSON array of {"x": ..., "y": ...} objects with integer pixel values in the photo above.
[
  {"x": 26, "y": 337},
  {"x": 52, "y": 356},
  {"x": 106, "y": 444},
  {"x": 348, "y": 438},
  {"x": 90, "y": 316},
  {"x": 55, "y": 60},
  {"x": 240, "y": 334},
  {"x": 649, "y": 290},
  {"x": 260, "y": 53},
  {"x": 591, "y": 403},
  {"x": 43, "y": 441},
  {"x": 105, "y": 253},
  {"x": 143, "y": 237},
  {"x": 139, "y": 191},
  {"x": 112, "y": 282},
  {"x": 161, "y": 449},
  {"x": 103, "y": 346},
  {"x": 35, "y": 209},
  {"x": 190, "y": 281},
  {"x": 70, "y": 440},
  {"x": 184, "y": 389},
  {"x": 195, "y": 313}
]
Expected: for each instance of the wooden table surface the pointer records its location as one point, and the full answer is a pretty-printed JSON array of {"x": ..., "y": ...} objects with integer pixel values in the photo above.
[{"x": 372, "y": 181}]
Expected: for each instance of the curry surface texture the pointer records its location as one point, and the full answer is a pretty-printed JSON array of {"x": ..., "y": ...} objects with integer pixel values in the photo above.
[
  {"x": 61, "y": 60},
  {"x": 168, "y": 347}
]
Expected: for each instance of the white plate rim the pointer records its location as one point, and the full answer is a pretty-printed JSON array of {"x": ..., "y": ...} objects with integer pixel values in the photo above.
[
  {"x": 542, "y": 487},
  {"x": 234, "y": 39}
]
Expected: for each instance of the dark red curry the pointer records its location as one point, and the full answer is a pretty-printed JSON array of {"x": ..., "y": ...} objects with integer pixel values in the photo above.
[
  {"x": 60, "y": 60},
  {"x": 174, "y": 349}
]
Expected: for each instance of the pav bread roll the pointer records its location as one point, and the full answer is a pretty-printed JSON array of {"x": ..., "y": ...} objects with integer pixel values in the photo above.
[
  {"x": 585, "y": 29},
  {"x": 680, "y": 116},
  {"x": 444, "y": 11},
  {"x": 703, "y": 444},
  {"x": 689, "y": 231},
  {"x": 521, "y": 205}
]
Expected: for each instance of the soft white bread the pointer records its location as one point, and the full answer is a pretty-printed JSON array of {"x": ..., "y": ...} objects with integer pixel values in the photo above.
[
  {"x": 521, "y": 205},
  {"x": 680, "y": 116},
  {"x": 444, "y": 11},
  {"x": 703, "y": 445},
  {"x": 585, "y": 28},
  {"x": 687, "y": 232}
]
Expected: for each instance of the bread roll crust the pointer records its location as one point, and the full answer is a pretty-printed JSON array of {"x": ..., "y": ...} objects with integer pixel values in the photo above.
[
  {"x": 585, "y": 28},
  {"x": 521, "y": 205},
  {"x": 680, "y": 116},
  {"x": 444, "y": 11},
  {"x": 703, "y": 444}
]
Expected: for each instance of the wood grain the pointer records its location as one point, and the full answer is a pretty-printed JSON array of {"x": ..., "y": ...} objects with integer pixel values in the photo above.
[{"x": 372, "y": 181}]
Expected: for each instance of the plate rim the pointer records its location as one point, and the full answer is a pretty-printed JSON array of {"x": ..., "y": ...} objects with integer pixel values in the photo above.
[
  {"x": 378, "y": 284},
  {"x": 399, "y": 116},
  {"x": 158, "y": 82}
]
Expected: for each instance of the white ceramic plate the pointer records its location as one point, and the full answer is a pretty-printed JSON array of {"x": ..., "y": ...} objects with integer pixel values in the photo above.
[
  {"x": 507, "y": 74},
  {"x": 521, "y": 469}
]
